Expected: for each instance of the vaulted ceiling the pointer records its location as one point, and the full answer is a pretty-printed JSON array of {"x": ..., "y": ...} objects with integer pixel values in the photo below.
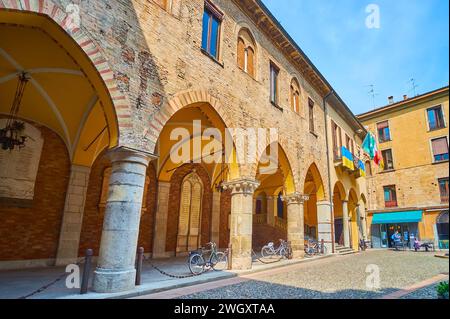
[{"x": 64, "y": 93}]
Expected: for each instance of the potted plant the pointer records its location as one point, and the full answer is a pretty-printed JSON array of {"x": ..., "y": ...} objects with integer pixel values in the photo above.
[{"x": 442, "y": 290}]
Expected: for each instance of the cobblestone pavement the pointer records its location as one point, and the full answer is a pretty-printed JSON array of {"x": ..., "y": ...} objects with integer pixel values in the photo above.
[{"x": 338, "y": 278}]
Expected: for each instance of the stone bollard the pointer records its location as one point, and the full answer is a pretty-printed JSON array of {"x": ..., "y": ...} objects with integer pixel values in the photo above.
[
  {"x": 139, "y": 260},
  {"x": 86, "y": 272}
]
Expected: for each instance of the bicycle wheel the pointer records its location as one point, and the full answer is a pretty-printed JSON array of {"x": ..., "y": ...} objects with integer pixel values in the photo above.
[
  {"x": 220, "y": 261},
  {"x": 309, "y": 251},
  {"x": 266, "y": 252},
  {"x": 196, "y": 264}
]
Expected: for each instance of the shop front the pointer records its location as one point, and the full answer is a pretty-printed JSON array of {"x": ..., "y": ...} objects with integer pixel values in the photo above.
[{"x": 384, "y": 225}]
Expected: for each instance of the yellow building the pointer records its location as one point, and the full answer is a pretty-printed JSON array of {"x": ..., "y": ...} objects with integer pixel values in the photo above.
[{"x": 411, "y": 193}]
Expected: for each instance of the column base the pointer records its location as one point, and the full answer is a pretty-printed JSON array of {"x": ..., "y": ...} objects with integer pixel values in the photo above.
[
  {"x": 298, "y": 253},
  {"x": 241, "y": 263},
  {"x": 110, "y": 281}
]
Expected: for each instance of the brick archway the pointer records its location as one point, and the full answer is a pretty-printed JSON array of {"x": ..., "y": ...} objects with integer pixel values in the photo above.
[
  {"x": 178, "y": 102},
  {"x": 92, "y": 50}
]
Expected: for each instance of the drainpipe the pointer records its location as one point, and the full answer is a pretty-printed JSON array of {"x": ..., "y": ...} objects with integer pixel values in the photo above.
[{"x": 325, "y": 99}]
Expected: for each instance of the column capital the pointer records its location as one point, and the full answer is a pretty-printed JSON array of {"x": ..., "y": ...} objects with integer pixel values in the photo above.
[
  {"x": 130, "y": 155},
  {"x": 295, "y": 198},
  {"x": 242, "y": 186}
]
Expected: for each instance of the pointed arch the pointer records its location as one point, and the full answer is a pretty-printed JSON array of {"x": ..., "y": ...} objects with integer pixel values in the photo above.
[{"x": 314, "y": 182}]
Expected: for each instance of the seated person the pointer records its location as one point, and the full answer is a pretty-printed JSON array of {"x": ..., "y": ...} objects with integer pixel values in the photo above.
[{"x": 417, "y": 244}]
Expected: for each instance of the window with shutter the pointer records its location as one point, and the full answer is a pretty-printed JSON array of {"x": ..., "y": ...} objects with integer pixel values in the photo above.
[
  {"x": 241, "y": 54},
  {"x": 251, "y": 61},
  {"x": 440, "y": 149}
]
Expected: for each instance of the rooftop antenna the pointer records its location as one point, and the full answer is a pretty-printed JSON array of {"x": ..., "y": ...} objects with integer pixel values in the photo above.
[
  {"x": 414, "y": 86},
  {"x": 372, "y": 94}
]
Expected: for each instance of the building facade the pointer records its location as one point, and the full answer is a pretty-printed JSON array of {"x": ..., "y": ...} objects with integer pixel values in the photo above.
[
  {"x": 411, "y": 193},
  {"x": 114, "y": 91}
]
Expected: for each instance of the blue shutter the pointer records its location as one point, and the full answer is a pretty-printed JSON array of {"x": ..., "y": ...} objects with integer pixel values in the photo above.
[
  {"x": 206, "y": 17},
  {"x": 214, "y": 37}
]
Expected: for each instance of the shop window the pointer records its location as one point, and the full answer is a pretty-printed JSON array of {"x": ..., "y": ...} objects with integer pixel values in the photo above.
[
  {"x": 440, "y": 149},
  {"x": 246, "y": 52},
  {"x": 212, "y": 20},
  {"x": 295, "y": 96},
  {"x": 274, "y": 73},
  {"x": 435, "y": 118},
  {"x": 384, "y": 132},
  {"x": 443, "y": 188},
  {"x": 388, "y": 160},
  {"x": 390, "y": 196}
]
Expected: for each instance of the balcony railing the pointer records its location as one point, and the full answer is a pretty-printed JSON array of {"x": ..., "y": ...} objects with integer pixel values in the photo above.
[
  {"x": 444, "y": 199},
  {"x": 260, "y": 219},
  {"x": 280, "y": 223},
  {"x": 391, "y": 204}
]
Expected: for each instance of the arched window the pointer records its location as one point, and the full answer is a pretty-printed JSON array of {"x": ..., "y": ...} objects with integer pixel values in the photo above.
[
  {"x": 189, "y": 223},
  {"x": 246, "y": 52},
  {"x": 295, "y": 96}
]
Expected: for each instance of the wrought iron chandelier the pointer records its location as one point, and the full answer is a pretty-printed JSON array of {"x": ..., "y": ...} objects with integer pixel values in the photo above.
[{"x": 12, "y": 136}]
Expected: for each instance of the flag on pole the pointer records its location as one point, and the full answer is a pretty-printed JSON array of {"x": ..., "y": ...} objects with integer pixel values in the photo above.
[
  {"x": 362, "y": 168},
  {"x": 370, "y": 145},
  {"x": 347, "y": 158}
]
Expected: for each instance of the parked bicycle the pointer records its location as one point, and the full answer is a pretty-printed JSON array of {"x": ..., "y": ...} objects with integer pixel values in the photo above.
[
  {"x": 314, "y": 248},
  {"x": 199, "y": 263},
  {"x": 282, "y": 251}
]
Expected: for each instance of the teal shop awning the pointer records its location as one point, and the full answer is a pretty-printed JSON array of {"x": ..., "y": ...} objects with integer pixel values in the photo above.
[{"x": 414, "y": 216}]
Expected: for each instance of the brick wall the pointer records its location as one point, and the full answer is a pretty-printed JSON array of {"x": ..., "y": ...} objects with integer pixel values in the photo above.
[
  {"x": 91, "y": 231},
  {"x": 174, "y": 205},
  {"x": 33, "y": 232}
]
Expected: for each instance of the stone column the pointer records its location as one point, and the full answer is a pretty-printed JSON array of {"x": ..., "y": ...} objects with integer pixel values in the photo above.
[
  {"x": 270, "y": 210},
  {"x": 159, "y": 243},
  {"x": 116, "y": 265},
  {"x": 324, "y": 224},
  {"x": 241, "y": 226},
  {"x": 346, "y": 223},
  {"x": 296, "y": 223},
  {"x": 69, "y": 238},
  {"x": 215, "y": 220}
]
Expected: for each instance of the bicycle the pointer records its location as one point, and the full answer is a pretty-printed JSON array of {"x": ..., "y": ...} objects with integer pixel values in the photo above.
[
  {"x": 217, "y": 260},
  {"x": 269, "y": 250},
  {"x": 314, "y": 248}
]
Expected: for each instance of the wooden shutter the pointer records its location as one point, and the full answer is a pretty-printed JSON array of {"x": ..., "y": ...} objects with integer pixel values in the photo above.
[
  {"x": 251, "y": 61},
  {"x": 241, "y": 54},
  {"x": 440, "y": 146}
]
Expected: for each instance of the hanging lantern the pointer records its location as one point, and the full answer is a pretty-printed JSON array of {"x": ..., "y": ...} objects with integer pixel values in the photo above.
[{"x": 13, "y": 136}]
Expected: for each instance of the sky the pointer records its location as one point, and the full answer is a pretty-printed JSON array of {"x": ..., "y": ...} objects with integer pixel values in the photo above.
[{"x": 412, "y": 42}]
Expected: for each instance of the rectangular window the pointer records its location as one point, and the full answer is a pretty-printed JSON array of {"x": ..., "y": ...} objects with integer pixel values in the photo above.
[
  {"x": 337, "y": 142},
  {"x": 384, "y": 132},
  {"x": 440, "y": 149},
  {"x": 348, "y": 142},
  {"x": 390, "y": 196},
  {"x": 443, "y": 188},
  {"x": 212, "y": 19},
  {"x": 312, "y": 127},
  {"x": 274, "y": 72},
  {"x": 388, "y": 160},
  {"x": 436, "y": 118}
]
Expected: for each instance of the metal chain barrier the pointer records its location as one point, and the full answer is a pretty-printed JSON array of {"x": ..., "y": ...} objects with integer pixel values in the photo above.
[
  {"x": 162, "y": 272},
  {"x": 45, "y": 287}
]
